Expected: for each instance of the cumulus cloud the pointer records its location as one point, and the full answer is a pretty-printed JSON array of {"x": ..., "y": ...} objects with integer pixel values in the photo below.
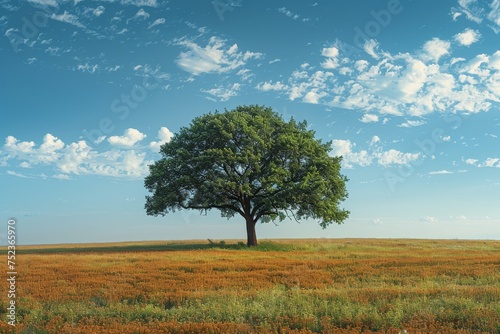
[
  {"x": 164, "y": 136},
  {"x": 467, "y": 37},
  {"x": 130, "y": 138},
  {"x": 78, "y": 158},
  {"x": 215, "y": 57},
  {"x": 435, "y": 49},
  {"x": 403, "y": 84},
  {"x": 332, "y": 60},
  {"x": 369, "y": 118},
  {"x": 345, "y": 148}
]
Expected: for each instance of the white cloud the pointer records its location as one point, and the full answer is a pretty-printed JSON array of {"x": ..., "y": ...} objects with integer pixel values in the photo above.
[
  {"x": 14, "y": 146},
  {"x": 344, "y": 148},
  {"x": 164, "y": 136},
  {"x": 67, "y": 18},
  {"x": 288, "y": 13},
  {"x": 374, "y": 140},
  {"x": 467, "y": 37},
  {"x": 369, "y": 118},
  {"x": 370, "y": 47},
  {"x": 98, "y": 11},
  {"x": 9, "y": 172},
  {"x": 140, "y": 15},
  {"x": 268, "y": 86},
  {"x": 78, "y": 157},
  {"x": 494, "y": 14},
  {"x": 472, "y": 13},
  {"x": 215, "y": 57},
  {"x": 223, "y": 93},
  {"x": 477, "y": 11},
  {"x": 332, "y": 52},
  {"x": 400, "y": 84},
  {"x": 157, "y": 22},
  {"x": 410, "y": 123},
  {"x": 435, "y": 49},
  {"x": 395, "y": 157},
  {"x": 429, "y": 219},
  {"x": 87, "y": 68},
  {"x": 130, "y": 138},
  {"x": 313, "y": 96},
  {"x": 494, "y": 61},
  {"x": 440, "y": 172},
  {"x": 61, "y": 177},
  {"x": 316, "y": 83},
  {"x": 332, "y": 60},
  {"x": 48, "y": 150},
  {"x": 52, "y": 3},
  {"x": 489, "y": 162}
]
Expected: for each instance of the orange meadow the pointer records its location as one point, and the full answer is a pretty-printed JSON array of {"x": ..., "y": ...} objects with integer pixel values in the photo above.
[{"x": 281, "y": 286}]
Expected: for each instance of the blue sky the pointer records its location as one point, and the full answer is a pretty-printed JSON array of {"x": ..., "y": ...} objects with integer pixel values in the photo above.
[{"x": 407, "y": 91}]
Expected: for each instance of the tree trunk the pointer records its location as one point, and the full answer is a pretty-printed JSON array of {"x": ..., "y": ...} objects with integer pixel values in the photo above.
[{"x": 251, "y": 236}]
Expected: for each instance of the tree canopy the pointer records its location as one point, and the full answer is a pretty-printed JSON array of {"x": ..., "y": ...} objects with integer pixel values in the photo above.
[{"x": 251, "y": 162}]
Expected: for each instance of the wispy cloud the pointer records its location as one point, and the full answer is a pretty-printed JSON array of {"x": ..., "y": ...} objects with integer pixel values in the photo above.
[
  {"x": 68, "y": 18},
  {"x": 477, "y": 11},
  {"x": 489, "y": 162},
  {"x": 440, "y": 172},
  {"x": 215, "y": 57},
  {"x": 224, "y": 93},
  {"x": 157, "y": 22}
]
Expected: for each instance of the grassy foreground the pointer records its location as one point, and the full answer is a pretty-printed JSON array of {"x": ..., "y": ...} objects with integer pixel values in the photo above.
[{"x": 282, "y": 286}]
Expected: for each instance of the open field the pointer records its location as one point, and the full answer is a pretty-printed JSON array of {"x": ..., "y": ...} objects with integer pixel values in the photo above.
[{"x": 282, "y": 286}]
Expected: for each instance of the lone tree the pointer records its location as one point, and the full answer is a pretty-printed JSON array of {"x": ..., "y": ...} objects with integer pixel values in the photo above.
[{"x": 248, "y": 161}]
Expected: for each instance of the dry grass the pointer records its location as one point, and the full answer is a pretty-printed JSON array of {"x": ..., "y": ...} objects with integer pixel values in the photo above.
[{"x": 282, "y": 286}]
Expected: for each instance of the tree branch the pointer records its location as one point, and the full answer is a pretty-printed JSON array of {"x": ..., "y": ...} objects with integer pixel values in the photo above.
[{"x": 207, "y": 207}]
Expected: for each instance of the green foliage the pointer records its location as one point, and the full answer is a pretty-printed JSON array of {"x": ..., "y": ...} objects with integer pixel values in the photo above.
[{"x": 248, "y": 161}]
